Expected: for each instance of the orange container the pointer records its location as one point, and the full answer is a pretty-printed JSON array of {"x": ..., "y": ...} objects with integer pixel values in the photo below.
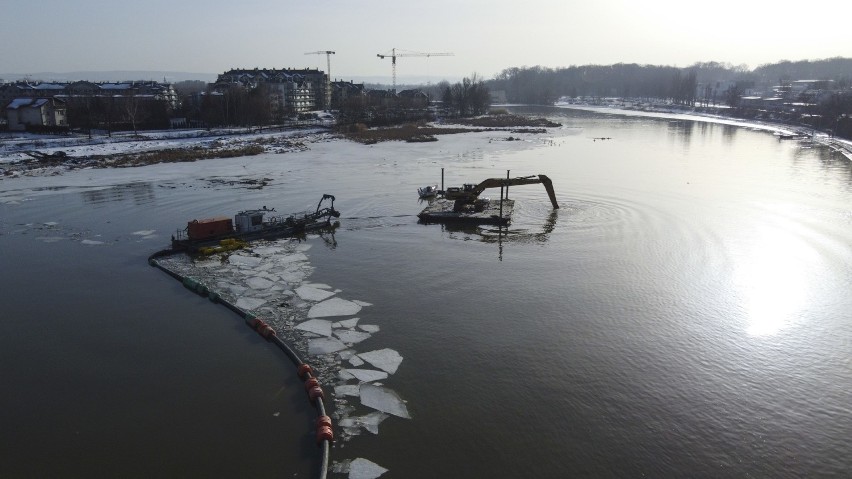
[{"x": 208, "y": 228}]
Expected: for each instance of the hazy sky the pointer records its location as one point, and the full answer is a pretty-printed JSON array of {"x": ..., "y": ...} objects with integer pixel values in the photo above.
[{"x": 486, "y": 37}]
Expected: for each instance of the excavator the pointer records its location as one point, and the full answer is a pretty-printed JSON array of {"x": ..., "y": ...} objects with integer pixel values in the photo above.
[{"x": 467, "y": 196}]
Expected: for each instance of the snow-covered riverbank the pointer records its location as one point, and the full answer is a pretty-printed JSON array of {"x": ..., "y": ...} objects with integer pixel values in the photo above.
[
  {"x": 661, "y": 111},
  {"x": 65, "y": 152}
]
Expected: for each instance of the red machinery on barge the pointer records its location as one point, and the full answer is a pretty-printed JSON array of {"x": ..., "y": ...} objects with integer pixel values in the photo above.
[{"x": 252, "y": 225}]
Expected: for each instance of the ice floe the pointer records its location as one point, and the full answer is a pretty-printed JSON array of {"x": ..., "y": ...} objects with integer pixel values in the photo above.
[
  {"x": 144, "y": 232},
  {"x": 353, "y": 390},
  {"x": 259, "y": 283},
  {"x": 91, "y": 242},
  {"x": 346, "y": 323},
  {"x": 351, "y": 336},
  {"x": 268, "y": 250},
  {"x": 321, "y": 346},
  {"x": 370, "y": 422},
  {"x": 242, "y": 260},
  {"x": 310, "y": 293},
  {"x": 346, "y": 354},
  {"x": 248, "y": 304},
  {"x": 363, "y": 375},
  {"x": 292, "y": 258},
  {"x": 316, "y": 326},
  {"x": 334, "y": 307},
  {"x": 386, "y": 359},
  {"x": 363, "y": 469},
  {"x": 384, "y": 400},
  {"x": 370, "y": 328}
]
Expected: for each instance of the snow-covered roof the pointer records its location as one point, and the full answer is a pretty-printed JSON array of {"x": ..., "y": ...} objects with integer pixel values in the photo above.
[
  {"x": 115, "y": 86},
  {"x": 49, "y": 86},
  {"x": 18, "y": 103}
]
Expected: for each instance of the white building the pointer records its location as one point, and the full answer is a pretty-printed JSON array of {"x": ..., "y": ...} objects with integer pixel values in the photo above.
[{"x": 24, "y": 113}]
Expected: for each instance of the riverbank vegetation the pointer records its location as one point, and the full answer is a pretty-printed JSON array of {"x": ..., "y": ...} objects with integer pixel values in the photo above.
[{"x": 813, "y": 94}]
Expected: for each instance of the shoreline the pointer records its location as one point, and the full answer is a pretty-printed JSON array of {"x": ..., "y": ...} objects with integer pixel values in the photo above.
[
  {"x": 28, "y": 155},
  {"x": 844, "y": 147}
]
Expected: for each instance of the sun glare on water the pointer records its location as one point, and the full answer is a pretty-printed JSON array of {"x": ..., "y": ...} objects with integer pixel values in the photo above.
[{"x": 772, "y": 276}]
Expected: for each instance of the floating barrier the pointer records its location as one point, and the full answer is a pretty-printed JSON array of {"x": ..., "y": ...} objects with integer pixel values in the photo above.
[{"x": 324, "y": 428}]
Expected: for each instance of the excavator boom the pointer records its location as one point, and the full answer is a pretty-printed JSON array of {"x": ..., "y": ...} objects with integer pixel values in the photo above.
[{"x": 470, "y": 195}]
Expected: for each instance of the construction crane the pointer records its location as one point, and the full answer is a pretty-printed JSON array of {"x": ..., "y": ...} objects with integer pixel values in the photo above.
[
  {"x": 328, "y": 54},
  {"x": 393, "y": 55}
]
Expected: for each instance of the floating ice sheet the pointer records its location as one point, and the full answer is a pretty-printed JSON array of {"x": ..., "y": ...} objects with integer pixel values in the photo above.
[
  {"x": 243, "y": 260},
  {"x": 384, "y": 400},
  {"x": 91, "y": 242},
  {"x": 292, "y": 276},
  {"x": 334, "y": 307},
  {"x": 352, "y": 337},
  {"x": 347, "y": 390},
  {"x": 363, "y": 469},
  {"x": 386, "y": 359},
  {"x": 259, "y": 283},
  {"x": 208, "y": 263},
  {"x": 370, "y": 328},
  {"x": 317, "y": 326},
  {"x": 291, "y": 258},
  {"x": 309, "y": 293},
  {"x": 346, "y": 323},
  {"x": 370, "y": 422},
  {"x": 248, "y": 304},
  {"x": 366, "y": 375},
  {"x": 144, "y": 232},
  {"x": 324, "y": 346},
  {"x": 362, "y": 303},
  {"x": 356, "y": 361},
  {"x": 268, "y": 250},
  {"x": 318, "y": 285}
]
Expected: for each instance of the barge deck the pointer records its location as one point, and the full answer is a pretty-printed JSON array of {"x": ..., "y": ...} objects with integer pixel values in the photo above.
[{"x": 441, "y": 210}]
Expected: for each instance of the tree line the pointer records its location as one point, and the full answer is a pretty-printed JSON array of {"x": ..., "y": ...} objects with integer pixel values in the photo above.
[
  {"x": 543, "y": 86},
  {"x": 469, "y": 97}
]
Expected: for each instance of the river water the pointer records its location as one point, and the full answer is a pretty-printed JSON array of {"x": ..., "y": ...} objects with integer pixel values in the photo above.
[{"x": 684, "y": 313}]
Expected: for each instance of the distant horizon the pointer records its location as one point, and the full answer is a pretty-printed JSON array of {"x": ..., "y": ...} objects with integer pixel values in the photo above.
[
  {"x": 482, "y": 37},
  {"x": 178, "y": 76}
]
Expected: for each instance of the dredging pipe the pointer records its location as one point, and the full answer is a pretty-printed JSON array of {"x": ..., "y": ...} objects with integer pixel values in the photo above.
[{"x": 313, "y": 388}]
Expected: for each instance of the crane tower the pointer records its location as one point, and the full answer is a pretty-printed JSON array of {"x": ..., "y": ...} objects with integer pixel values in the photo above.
[
  {"x": 393, "y": 56},
  {"x": 328, "y": 54}
]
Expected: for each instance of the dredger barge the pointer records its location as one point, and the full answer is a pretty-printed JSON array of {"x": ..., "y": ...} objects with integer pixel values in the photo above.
[
  {"x": 251, "y": 225},
  {"x": 464, "y": 205}
]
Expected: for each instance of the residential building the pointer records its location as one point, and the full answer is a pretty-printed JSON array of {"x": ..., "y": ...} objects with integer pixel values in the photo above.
[
  {"x": 36, "y": 113},
  {"x": 290, "y": 90}
]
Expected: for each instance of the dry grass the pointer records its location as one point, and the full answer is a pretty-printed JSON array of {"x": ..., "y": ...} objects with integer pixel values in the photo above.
[
  {"x": 422, "y": 132},
  {"x": 408, "y": 132},
  {"x": 507, "y": 121},
  {"x": 176, "y": 155}
]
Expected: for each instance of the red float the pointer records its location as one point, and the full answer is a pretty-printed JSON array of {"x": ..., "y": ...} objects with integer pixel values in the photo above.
[
  {"x": 304, "y": 370},
  {"x": 324, "y": 433},
  {"x": 316, "y": 392},
  {"x": 323, "y": 421},
  {"x": 310, "y": 383}
]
